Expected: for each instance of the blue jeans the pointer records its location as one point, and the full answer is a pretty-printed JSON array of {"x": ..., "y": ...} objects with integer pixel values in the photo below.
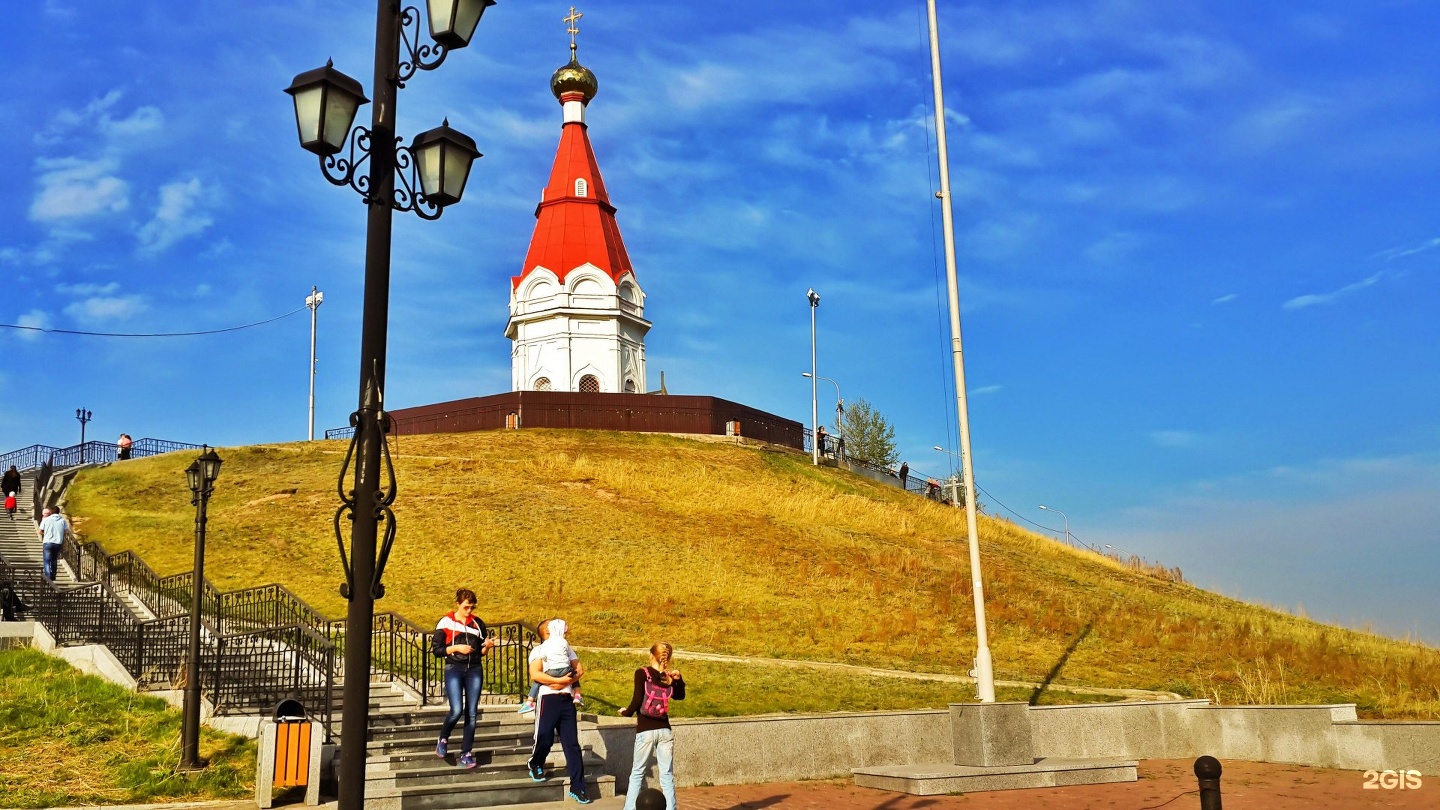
[
  {"x": 660, "y": 743},
  {"x": 51, "y": 559},
  {"x": 462, "y": 687}
]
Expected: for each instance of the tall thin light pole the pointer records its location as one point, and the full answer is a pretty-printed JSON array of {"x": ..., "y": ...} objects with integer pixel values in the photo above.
[
  {"x": 313, "y": 302},
  {"x": 984, "y": 668},
  {"x": 839, "y": 403},
  {"x": 814, "y": 298},
  {"x": 84, "y": 417},
  {"x": 1063, "y": 515}
]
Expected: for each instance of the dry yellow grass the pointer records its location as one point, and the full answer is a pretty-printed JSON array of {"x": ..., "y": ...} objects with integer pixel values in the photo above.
[{"x": 740, "y": 550}]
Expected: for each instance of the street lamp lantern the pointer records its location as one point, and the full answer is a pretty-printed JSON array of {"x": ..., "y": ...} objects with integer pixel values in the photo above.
[
  {"x": 209, "y": 468},
  {"x": 445, "y": 156},
  {"x": 326, "y": 101},
  {"x": 452, "y": 22}
]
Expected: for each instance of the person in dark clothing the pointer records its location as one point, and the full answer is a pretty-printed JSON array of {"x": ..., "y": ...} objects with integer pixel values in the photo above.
[
  {"x": 555, "y": 716},
  {"x": 655, "y": 686},
  {"x": 11, "y": 608},
  {"x": 10, "y": 487},
  {"x": 904, "y": 472},
  {"x": 460, "y": 638}
]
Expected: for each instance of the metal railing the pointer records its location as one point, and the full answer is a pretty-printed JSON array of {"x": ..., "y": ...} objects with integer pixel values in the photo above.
[
  {"x": 36, "y": 455},
  {"x": 258, "y": 644},
  {"x": 340, "y": 433}
]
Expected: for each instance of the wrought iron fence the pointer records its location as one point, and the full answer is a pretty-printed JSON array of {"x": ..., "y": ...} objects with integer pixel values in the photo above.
[
  {"x": 340, "y": 433},
  {"x": 36, "y": 455}
]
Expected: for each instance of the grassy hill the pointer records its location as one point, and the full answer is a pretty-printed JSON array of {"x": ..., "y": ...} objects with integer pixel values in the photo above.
[{"x": 634, "y": 538}]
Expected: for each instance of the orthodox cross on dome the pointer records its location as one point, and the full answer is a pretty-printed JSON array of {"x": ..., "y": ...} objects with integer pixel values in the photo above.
[{"x": 570, "y": 26}]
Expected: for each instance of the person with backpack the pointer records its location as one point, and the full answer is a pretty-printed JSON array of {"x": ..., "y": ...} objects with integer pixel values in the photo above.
[
  {"x": 460, "y": 638},
  {"x": 655, "y": 686}
]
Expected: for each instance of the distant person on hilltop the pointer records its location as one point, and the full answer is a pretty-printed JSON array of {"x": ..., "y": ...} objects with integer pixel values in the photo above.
[
  {"x": 904, "y": 472},
  {"x": 820, "y": 440},
  {"x": 655, "y": 686},
  {"x": 122, "y": 447},
  {"x": 460, "y": 638}
]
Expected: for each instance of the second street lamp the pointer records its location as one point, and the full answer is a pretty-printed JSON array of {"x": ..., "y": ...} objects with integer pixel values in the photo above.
[
  {"x": 422, "y": 178},
  {"x": 201, "y": 475}
]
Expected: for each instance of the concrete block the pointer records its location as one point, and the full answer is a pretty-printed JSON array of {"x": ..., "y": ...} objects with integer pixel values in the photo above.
[
  {"x": 932, "y": 780},
  {"x": 986, "y": 734}
]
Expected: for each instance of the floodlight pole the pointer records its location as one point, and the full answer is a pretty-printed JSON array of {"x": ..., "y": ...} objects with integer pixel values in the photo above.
[
  {"x": 984, "y": 669},
  {"x": 814, "y": 298},
  {"x": 313, "y": 302}
]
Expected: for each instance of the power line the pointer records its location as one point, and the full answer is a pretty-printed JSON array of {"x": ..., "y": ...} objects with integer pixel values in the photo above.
[{"x": 148, "y": 334}]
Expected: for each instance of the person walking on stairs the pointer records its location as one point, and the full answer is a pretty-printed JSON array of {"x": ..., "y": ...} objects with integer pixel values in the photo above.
[
  {"x": 655, "y": 686},
  {"x": 460, "y": 638},
  {"x": 10, "y": 486},
  {"x": 54, "y": 531},
  {"x": 557, "y": 715}
]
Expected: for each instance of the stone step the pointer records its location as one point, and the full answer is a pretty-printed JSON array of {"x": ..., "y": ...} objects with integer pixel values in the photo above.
[
  {"x": 933, "y": 780},
  {"x": 445, "y": 772},
  {"x": 489, "y": 793},
  {"x": 403, "y": 760},
  {"x": 386, "y": 745}
]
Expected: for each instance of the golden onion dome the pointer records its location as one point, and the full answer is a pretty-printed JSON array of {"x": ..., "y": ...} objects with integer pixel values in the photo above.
[{"x": 574, "y": 78}]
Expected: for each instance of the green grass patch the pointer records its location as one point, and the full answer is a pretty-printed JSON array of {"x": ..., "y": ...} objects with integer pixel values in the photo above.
[
  {"x": 726, "y": 689},
  {"x": 67, "y": 738},
  {"x": 739, "y": 550}
]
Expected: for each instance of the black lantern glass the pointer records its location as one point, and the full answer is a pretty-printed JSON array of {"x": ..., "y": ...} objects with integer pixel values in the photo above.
[
  {"x": 444, "y": 156},
  {"x": 193, "y": 475},
  {"x": 209, "y": 467},
  {"x": 326, "y": 101},
  {"x": 452, "y": 22}
]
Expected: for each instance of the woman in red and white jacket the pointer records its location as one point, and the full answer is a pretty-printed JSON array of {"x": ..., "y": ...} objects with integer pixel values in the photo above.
[
  {"x": 655, "y": 686},
  {"x": 460, "y": 638}
]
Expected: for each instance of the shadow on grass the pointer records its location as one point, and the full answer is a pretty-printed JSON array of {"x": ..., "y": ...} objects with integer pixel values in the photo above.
[{"x": 1059, "y": 665}]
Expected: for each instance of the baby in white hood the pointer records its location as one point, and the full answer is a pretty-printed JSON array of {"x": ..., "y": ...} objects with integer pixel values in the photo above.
[{"x": 559, "y": 660}]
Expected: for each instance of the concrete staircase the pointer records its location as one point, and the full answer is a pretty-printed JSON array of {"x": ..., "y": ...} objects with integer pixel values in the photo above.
[
  {"x": 19, "y": 542},
  {"x": 403, "y": 773}
]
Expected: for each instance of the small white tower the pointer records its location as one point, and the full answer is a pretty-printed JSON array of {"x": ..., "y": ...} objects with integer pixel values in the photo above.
[{"x": 577, "y": 314}]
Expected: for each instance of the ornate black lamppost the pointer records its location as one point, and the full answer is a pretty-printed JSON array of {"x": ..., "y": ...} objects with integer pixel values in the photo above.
[
  {"x": 84, "y": 417},
  {"x": 201, "y": 474},
  {"x": 432, "y": 172}
]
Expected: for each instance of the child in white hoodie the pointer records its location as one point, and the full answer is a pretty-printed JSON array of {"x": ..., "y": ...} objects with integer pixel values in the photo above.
[{"x": 559, "y": 661}]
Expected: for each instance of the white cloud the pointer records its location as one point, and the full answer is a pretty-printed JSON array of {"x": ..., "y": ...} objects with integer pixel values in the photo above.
[
  {"x": 88, "y": 289},
  {"x": 1316, "y": 299},
  {"x": 1226, "y": 298},
  {"x": 73, "y": 188},
  {"x": 34, "y": 319},
  {"x": 143, "y": 121},
  {"x": 1410, "y": 250},
  {"x": 176, "y": 217},
  {"x": 1173, "y": 438},
  {"x": 985, "y": 389},
  {"x": 100, "y": 308}
]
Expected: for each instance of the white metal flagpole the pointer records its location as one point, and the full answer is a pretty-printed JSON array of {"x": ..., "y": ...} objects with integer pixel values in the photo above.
[{"x": 984, "y": 669}]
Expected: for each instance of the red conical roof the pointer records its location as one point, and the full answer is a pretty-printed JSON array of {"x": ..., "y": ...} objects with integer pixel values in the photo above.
[{"x": 571, "y": 230}]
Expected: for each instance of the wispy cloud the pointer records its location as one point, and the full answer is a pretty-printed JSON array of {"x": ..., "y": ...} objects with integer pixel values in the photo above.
[
  {"x": 34, "y": 319},
  {"x": 1317, "y": 299},
  {"x": 1226, "y": 298},
  {"x": 75, "y": 188},
  {"x": 80, "y": 290},
  {"x": 986, "y": 389},
  {"x": 99, "y": 309},
  {"x": 177, "y": 216},
  {"x": 1409, "y": 250},
  {"x": 1173, "y": 438}
]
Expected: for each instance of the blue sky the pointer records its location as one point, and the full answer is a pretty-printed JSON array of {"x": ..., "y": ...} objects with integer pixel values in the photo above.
[{"x": 1197, "y": 246}]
